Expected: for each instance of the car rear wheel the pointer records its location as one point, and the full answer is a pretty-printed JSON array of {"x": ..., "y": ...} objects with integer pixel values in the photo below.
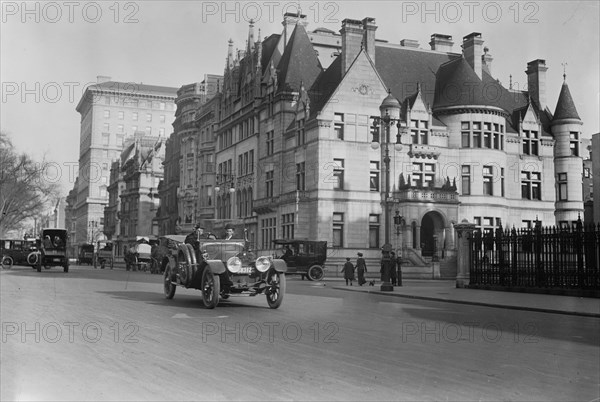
[
  {"x": 275, "y": 289},
  {"x": 32, "y": 259},
  {"x": 7, "y": 262},
  {"x": 211, "y": 287},
  {"x": 315, "y": 273},
  {"x": 169, "y": 288}
]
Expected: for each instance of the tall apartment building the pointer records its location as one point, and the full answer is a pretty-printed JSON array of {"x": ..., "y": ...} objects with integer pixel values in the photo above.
[
  {"x": 111, "y": 112},
  {"x": 294, "y": 150}
]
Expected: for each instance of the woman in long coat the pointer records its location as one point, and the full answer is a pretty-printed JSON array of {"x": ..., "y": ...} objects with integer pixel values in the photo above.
[
  {"x": 348, "y": 271},
  {"x": 361, "y": 268}
]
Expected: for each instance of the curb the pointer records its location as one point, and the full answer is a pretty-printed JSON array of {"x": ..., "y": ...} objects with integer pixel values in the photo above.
[{"x": 474, "y": 303}]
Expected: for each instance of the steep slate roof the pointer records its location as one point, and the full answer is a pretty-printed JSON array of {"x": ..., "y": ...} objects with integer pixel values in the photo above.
[
  {"x": 565, "y": 107},
  {"x": 299, "y": 62},
  {"x": 325, "y": 85},
  {"x": 269, "y": 46},
  {"x": 402, "y": 68}
]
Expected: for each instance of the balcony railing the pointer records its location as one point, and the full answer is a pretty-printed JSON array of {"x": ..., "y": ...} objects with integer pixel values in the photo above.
[{"x": 419, "y": 194}]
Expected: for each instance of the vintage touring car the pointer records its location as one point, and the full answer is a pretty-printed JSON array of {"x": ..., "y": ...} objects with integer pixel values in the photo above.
[
  {"x": 222, "y": 268},
  {"x": 303, "y": 257},
  {"x": 53, "y": 249}
]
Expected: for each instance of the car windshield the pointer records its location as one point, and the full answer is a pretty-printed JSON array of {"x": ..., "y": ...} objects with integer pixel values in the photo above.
[{"x": 222, "y": 250}]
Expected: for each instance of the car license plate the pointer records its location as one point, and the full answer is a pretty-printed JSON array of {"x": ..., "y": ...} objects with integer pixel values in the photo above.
[{"x": 245, "y": 270}]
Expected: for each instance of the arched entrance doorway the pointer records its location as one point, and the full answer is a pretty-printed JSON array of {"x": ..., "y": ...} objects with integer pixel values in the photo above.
[{"x": 432, "y": 233}]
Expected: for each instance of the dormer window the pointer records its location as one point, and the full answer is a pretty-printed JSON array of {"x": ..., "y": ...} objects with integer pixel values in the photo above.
[
  {"x": 531, "y": 142},
  {"x": 419, "y": 132}
]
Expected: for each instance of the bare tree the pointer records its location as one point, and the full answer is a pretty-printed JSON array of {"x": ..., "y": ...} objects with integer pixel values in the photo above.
[{"x": 24, "y": 191}]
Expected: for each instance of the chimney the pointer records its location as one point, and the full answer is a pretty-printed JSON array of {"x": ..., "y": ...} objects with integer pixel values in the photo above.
[
  {"x": 289, "y": 23},
  {"x": 486, "y": 61},
  {"x": 536, "y": 81},
  {"x": 409, "y": 43},
  {"x": 352, "y": 36},
  {"x": 473, "y": 50},
  {"x": 369, "y": 36},
  {"x": 441, "y": 42},
  {"x": 102, "y": 78}
]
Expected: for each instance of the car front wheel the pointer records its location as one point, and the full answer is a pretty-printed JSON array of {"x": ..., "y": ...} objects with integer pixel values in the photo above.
[
  {"x": 315, "y": 273},
  {"x": 7, "y": 262},
  {"x": 169, "y": 287},
  {"x": 275, "y": 289},
  {"x": 211, "y": 287}
]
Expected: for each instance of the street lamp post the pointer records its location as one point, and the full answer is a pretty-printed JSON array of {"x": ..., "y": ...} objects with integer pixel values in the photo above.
[
  {"x": 389, "y": 116},
  {"x": 225, "y": 179}
]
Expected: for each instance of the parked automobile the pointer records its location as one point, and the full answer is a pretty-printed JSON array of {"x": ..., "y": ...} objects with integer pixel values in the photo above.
[
  {"x": 105, "y": 254},
  {"x": 86, "y": 254},
  {"x": 222, "y": 268},
  {"x": 303, "y": 257},
  {"x": 53, "y": 249},
  {"x": 18, "y": 252}
]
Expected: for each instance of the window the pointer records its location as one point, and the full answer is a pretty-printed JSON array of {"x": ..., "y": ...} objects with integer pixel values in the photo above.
[
  {"x": 120, "y": 140},
  {"x": 161, "y": 132},
  {"x": 270, "y": 142},
  {"x": 338, "y": 229},
  {"x": 482, "y": 135},
  {"x": 531, "y": 185},
  {"x": 162, "y": 105},
  {"x": 373, "y": 231},
  {"x": 419, "y": 131},
  {"x": 466, "y": 180},
  {"x": 502, "y": 182},
  {"x": 562, "y": 187},
  {"x": 105, "y": 139},
  {"x": 423, "y": 174},
  {"x": 269, "y": 182},
  {"x": 574, "y": 143},
  {"x": 300, "y": 176},
  {"x": 106, "y": 114},
  {"x": 530, "y": 142},
  {"x": 338, "y": 125},
  {"x": 134, "y": 128},
  {"x": 120, "y": 128},
  {"x": 488, "y": 180},
  {"x": 106, "y": 127},
  {"x": 300, "y": 134},
  {"x": 338, "y": 174},
  {"x": 148, "y": 117},
  {"x": 148, "y": 130},
  {"x": 121, "y": 115},
  {"x": 586, "y": 172},
  {"x": 269, "y": 231},
  {"x": 287, "y": 226},
  {"x": 162, "y": 118},
  {"x": 374, "y": 176},
  {"x": 134, "y": 116}
]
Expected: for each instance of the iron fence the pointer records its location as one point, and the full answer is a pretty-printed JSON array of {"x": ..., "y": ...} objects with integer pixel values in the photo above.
[{"x": 540, "y": 257}]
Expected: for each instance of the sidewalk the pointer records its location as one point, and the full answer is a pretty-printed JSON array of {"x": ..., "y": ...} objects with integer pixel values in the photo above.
[{"x": 446, "y": 291}]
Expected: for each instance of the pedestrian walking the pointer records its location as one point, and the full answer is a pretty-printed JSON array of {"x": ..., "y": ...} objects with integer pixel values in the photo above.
[
  {"x": 393, "y": 265},
  {"x": 361, "y": 268},
  {"x": 348, "y": 271}
]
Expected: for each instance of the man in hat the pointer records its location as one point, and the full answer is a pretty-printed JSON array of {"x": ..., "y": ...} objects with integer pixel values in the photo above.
[{"x": 361, "y": 268}]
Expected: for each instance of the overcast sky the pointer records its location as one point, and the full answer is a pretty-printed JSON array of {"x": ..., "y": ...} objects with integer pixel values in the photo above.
[{"x": 51, "y": 50}]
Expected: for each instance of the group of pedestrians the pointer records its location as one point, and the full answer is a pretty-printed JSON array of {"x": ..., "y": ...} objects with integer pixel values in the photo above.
[{"x": 361, "y": 268}]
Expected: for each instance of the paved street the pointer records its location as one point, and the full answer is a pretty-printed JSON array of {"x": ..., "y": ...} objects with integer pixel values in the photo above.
[{"x": 111, "y": 335}]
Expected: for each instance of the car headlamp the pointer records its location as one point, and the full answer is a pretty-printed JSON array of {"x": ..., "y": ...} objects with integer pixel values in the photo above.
[
  {"x": 234, "y": 264},
  {"x": 263, "y": 264}
]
